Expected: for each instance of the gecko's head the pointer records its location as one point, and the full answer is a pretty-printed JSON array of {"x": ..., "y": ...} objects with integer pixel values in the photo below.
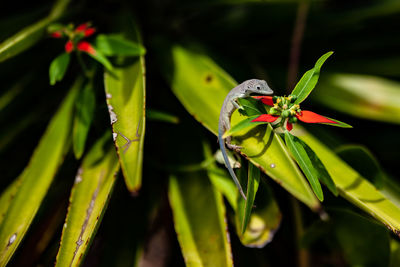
[{"x": 257, "y": 87}]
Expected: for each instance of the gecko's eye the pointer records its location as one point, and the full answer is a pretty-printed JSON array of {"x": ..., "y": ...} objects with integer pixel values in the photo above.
[{"x": 258, "y": 87}]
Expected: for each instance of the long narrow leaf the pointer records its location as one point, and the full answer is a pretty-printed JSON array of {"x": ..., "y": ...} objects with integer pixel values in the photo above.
[
  {"x": 354, "y": 187},
  {"x": 253, "y": 181},
  {"x": 37, "y": 177},
  {"x": 84, "y": 107},
  {"x": 300, "y": 154},
  {"x": 192, "y": 197},
  {"x": 309, "y": 80},
  {"x": 88, "y": 201}
]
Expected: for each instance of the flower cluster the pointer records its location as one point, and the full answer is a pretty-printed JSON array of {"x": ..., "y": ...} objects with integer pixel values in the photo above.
[
  {"x": 75, "y": 37},
  {"x": 284, "y": 107}
]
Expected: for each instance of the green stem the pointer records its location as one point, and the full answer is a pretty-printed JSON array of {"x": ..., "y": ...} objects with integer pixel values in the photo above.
[
  {"x": 303, "y": 257},
  {"x": 86, "y": 71}
]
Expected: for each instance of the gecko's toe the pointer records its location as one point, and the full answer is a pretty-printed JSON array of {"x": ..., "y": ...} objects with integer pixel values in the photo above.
[{"x": 234, "y": 147}]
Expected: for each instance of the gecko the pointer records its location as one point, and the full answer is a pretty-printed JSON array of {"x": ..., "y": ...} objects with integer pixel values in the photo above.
[{"x": 228, "y": 107}]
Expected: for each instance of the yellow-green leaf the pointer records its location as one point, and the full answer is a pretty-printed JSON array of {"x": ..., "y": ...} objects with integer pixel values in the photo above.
[
  {"x": 37, "y": 177},
  {"x": 30, "y": 35},
  {"x": 202, "y": 86},
  {"x": 88, "y": 201},
  {"x": 368, "y": 97},
  {"x": 199, "y": 218},
  {"x": 352, "y": 186},
  {"x": 126, "y": 95}
]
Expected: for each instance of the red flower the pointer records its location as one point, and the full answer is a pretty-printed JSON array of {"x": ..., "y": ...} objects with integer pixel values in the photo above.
[
  {"x": 75, "y": 36},
  {"x": 86, "y": 47},
  {"x": 289, "y": 112},
  {"x": 69, "y": 46},
  {"x": 85, "y": 29}
]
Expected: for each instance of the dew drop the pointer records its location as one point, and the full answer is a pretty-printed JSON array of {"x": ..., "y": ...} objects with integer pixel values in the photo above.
[
  {"x": 272, "y": 165},
  {"x": 12, "y": 239}
]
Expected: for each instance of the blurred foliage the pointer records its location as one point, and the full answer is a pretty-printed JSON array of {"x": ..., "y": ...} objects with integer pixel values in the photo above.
[{"x": 172, "y": 203}]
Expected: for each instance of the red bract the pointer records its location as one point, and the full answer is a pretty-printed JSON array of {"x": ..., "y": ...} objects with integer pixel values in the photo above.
[
  {"x": 289, "y": 126},
  {"x": 311, "y": 117},
  {"x": 267, "y": 100},
  {"x": 266, "y": 118},
  {"x": 86, "y": 47}
]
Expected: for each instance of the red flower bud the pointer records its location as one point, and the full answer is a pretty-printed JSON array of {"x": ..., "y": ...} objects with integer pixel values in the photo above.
[
  {"x": 265, "y": 118},
  {"x": 86, "y": 47},
  {"x": 69, "y": 46}
]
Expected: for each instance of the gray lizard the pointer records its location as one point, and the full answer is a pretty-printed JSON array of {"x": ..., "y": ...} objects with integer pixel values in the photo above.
[{"x": 228, "y": 107}]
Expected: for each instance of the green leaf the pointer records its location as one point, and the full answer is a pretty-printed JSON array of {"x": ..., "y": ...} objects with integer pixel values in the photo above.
[
  {"x": 88, "y": 202},
  {"x": 323, "y": 174},
  {"x": 126, "y": 103},
  {"x": 58, "y": 67},
  {"x": 99, "y": 57},
  {"x": 252, "y": 187},
  {"x": 158, "y": 115},
  {"x": 116, "y": 45},
  {"x": 31, "y": 34},
  {"x": 84, "y": 111},
  {"x": 265, "y": 217},
  {"x": 309, "y": 80},
  {"x": 195, "y": 78},
  {"x": 338, "y": 123},
  {"x": 362, "y": 160},
  {"x": 7, "y": 196},
  {"x": 243, "y": 125},
  {"x": 37, "y": 177},
  {"x": 363, "y": 96},
  {"x": 251, "y": 106},
  {"x": 301, "y": 156},
  {"x": 363, "y": 242},
  {"x": 192, "y": 196},
  {"x": 383, "y": 204}
]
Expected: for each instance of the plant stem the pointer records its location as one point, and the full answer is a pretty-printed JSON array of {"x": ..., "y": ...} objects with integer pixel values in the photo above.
[
  {"x": 83, "y": 65},
  {"x": 297, "y": 39},
  {"x": 303, "y": 257}
]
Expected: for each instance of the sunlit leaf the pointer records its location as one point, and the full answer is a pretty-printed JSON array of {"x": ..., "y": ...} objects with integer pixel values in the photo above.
[
  {"x": 309, "y": 80},
  {"x": 384, "y": 206},
  {"x": 192, "y": 196},
  {"x": 37, "y": 177},
  {"x": 246, "y": 123},
  {"x": 84, "y": 111},
  {"x": 194, "y": 79},
  {"x": 88, "y": 201},
  {"x": 362, "y": 160},
  {"x": 363, "y": 96},
  {"x": 125, "y": 92}
]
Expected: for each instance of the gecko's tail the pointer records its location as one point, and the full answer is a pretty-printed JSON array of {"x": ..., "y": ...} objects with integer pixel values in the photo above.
[{"x": 228, "y": 165}]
